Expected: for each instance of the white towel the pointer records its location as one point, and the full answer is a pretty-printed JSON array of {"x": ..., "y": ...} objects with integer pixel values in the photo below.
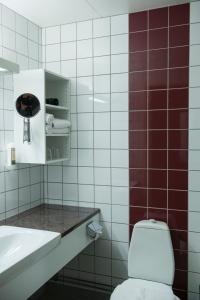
[
  {"x": 60, "y": 123},
  {"x": 49, "y": 121},
  {"x": 136, "y": 289}
]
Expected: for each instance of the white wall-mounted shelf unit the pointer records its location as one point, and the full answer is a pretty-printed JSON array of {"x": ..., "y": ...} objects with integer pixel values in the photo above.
[{"x": 44, "y": 147}]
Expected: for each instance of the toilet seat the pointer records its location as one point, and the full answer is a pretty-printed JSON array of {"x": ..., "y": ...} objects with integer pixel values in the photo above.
[{"x": 138, "y": 289}]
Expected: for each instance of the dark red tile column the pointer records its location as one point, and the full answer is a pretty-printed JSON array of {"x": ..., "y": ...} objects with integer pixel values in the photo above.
[{"x": 158, "y": 124}]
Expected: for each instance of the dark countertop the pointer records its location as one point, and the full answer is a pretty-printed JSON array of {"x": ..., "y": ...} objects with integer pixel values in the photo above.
[{"x": 57, "y": 218}]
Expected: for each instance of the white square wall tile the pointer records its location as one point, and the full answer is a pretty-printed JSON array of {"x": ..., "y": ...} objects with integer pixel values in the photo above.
[
  {"x": 119, "y": 158},
  {"x": 53, "y": 35},
  {"x": 85, "y": 175},
  {"x": 194, "y": 140},
  {"x": 193, "y": 262},
  {"x": 102, "y": 194},
  {"x": 24, "y": 196},
  {"x": 68, "y": 68},
  {"x": 11, "y": 178},
  {"x": 194, "y": 160},
  {"x": 11, "y": 200},
  {"x": 101, "y": 46},
  {"x": 119, "y": 44},
  {"x": 84, "y": 30},
  {"x": 194, "y": 203},
  {"x": 120, "y": 250},
  {"x": 8, "y": 17},
  {"x": 70, "y": 174},
  {"x": 195, "y": 12},
  {"x": 84, "y": 67},
  {"x": 84, "y": 85},
  {"x": 119, "y": 139},
  {"x": 8, "y": 38},
  {"x": 102, "y": 65},
  {"x": 103, "y": 266},
  {"x": 52, "y": 53},
  {"x": 86, "y": 193},
  {"x": 24, "y": 177},
  {"x": 55, "y": 191},
  {"x": 102, "y": 84},
  {"x": 101, "y": 27},
  {"x": 194, "y": 179},
  {"x": 119, "y": 63},
  {"x": 120, "y": 214},
  {"x": 119, "y": 268},
  {"x": 68, "y": 32},
  {"x": 70, "y": 192},
  {"x": 120, "y": 195},
  {"x": 84, "y": 103},
  {"x": 85, "y": 121},
  {"x": 194, "y": 97},
  {"x": 194, "y": 76},
  {"x": 119, "y": 24},
  {"x": 194, "y": 120},
  {"x": 119, "y": 82},
  {"x": 33, "y": 53},
  {"x": 68, "y": 50},
  {"x": 193, "y": 285},
  {"x": 105, "y": 214},
  {"x": 21, "y": 44},
  {"x": 102, "y": 139},
  {"x": 119, "y": 121},
  {"x": 194, "y": 55},
  {"x": 120, "y": 232},
  {"x": 84, "y": 48},
  {"x": 102, "y": 121},
  {"x": 120, "y": 177},
  {"x": 194, "y": 34},
  {"x": 21, "y": 25},
  {"x": 102, "y": 176},
  {"x": 54, "y": 173},
  {"x": 85, "y": 157},
  {"x": 119, "y": 101},
  {"x": 33, "y": 32},
  {"x": 102, "y": 158},
  {"x": 103, "y": 248},
  {"x": 194, "y": 241},
  {"x": 2, "y": 203},
  {"x": 85, "y": 139},
  {"x": 101, "y": 102}
]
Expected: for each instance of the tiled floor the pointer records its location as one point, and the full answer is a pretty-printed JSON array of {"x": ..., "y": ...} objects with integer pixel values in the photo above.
[{"x": 54, "y": 291}]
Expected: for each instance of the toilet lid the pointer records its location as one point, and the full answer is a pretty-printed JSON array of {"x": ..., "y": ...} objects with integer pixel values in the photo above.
[{"x": 137, "y": 289}]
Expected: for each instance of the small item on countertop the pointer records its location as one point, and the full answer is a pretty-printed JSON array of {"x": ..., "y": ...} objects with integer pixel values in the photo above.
[
  {"x": 52, "y": 101},
  {"x": 11, "y": 157}
]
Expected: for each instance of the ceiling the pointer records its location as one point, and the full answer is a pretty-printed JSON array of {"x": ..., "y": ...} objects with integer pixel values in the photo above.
[{"x": 53, "y": 12}]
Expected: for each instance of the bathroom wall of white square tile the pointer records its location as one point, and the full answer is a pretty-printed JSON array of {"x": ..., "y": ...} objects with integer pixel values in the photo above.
[
  {"x": 194, "y": 156},
  {"x": 94, "y": 54},
  {"x": 21, "y": 187}
]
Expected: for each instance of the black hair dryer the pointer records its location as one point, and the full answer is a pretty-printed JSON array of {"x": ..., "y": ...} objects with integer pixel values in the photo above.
[{"x": 27, "y": 105}]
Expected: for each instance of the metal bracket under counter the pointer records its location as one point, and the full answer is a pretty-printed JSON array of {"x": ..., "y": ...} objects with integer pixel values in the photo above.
[{"x": 72, "y": 243}]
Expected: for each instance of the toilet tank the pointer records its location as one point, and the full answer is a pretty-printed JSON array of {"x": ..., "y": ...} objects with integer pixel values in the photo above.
[{"x": 151, "y": 254}]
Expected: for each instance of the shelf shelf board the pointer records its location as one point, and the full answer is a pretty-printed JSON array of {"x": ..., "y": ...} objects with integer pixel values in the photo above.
[
  {"x": 57, "y": 107},
  {"x": 58, "y": 134},
  {"x": 57, "y": 160}
]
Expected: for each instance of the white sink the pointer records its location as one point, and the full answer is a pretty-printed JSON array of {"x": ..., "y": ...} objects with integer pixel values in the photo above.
[{"x": 21, "y": 247}]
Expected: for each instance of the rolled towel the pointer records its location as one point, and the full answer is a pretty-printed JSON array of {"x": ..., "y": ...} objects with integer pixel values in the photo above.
[
  {"x": 60, "y": 123},
  {"x": 49, "y": 121}
]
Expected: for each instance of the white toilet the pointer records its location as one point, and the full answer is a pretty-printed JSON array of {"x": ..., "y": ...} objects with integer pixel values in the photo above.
[{"x": 150, "y": 264}]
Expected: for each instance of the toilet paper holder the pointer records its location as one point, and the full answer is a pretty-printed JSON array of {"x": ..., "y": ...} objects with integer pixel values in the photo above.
[{"x": 94, "y": 230}]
